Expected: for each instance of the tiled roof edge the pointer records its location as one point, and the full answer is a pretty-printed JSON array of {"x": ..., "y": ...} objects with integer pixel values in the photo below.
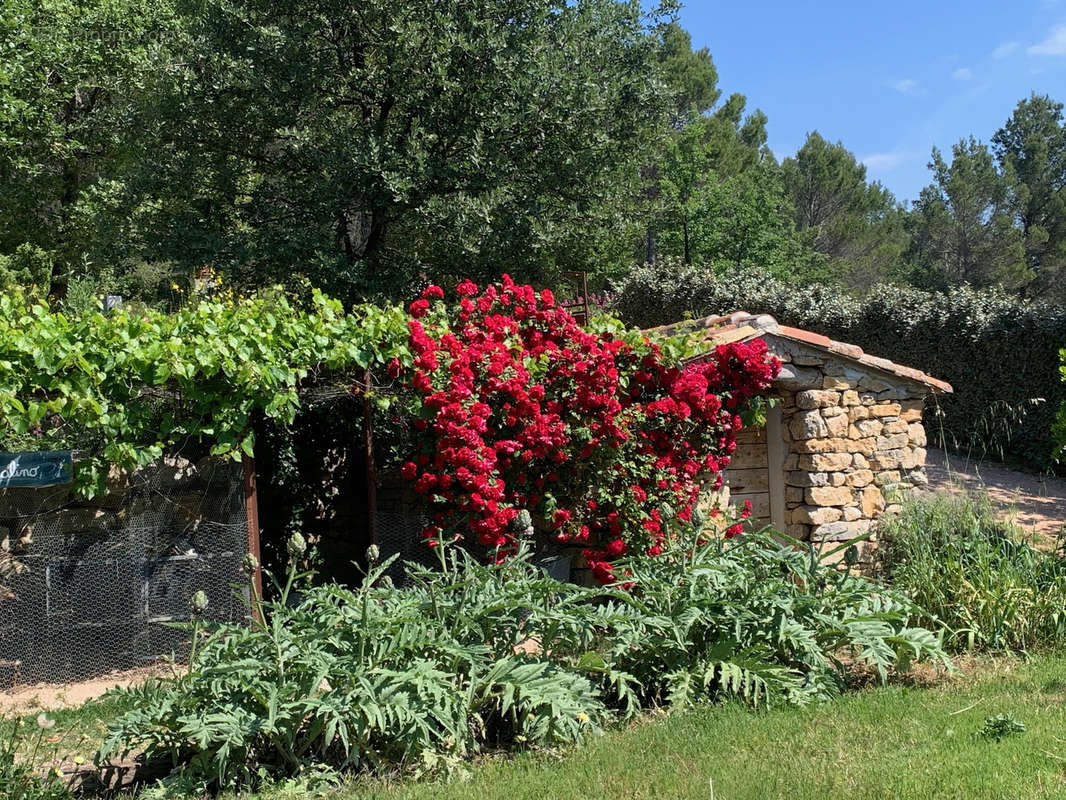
[{"x": 741, "y": 325}]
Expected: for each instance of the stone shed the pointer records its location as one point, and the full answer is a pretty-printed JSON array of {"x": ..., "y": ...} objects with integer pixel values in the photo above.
[{"x": 844, "y": 440}]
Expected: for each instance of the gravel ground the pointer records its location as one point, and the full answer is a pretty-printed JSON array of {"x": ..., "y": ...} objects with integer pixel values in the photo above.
[{"x": 1035, "y": 502}]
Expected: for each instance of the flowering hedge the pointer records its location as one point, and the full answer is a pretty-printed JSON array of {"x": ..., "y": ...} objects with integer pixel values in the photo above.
[{"x": 527, "y": 421}]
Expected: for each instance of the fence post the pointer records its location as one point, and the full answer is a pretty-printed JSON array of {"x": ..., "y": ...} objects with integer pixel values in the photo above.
[
  {"x": 371, "y": 467},
  {"x": 251, "y": 513}
]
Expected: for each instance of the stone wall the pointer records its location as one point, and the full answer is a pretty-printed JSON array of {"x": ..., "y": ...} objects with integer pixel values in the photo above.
[{"x": 855, "y": 442}]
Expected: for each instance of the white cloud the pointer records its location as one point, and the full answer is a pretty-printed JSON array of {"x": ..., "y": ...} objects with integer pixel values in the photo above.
[
  {"x": 905, "y": 86},
  {"x": 1053, "y": 45},
  {"x": 1005, "y": 49},
  {"x": 885, "y": 161},
  {"x": 962, "y": 74}
]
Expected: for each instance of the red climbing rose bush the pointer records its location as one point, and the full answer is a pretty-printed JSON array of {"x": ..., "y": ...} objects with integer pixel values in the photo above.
[{"x": 602, "y": 437}]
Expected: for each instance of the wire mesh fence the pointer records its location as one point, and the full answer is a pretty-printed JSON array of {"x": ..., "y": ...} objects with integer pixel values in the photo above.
[{"x": 89, "y": 587}]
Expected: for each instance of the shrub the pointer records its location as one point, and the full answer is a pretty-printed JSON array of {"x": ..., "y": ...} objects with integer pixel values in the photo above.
[
  {"x": 975, "y": 575},
  {"x": 473, "y": 657},
  {"x": 598, "y": 435},
  {"x": 1000, "y": 354}
]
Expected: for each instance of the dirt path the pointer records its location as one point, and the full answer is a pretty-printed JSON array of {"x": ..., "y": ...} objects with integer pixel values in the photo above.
[
  {"x": 52, "y": 696},
  {"x": 1035, "y": 502}
]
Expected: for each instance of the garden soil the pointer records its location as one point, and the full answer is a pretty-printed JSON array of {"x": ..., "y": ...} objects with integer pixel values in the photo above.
[{"x": 53, "y": 696}]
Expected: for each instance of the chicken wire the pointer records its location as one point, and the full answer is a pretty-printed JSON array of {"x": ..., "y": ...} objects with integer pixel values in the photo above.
[
  {"x": 399, "y": 533},
  {"x": 89, "y": 589}
]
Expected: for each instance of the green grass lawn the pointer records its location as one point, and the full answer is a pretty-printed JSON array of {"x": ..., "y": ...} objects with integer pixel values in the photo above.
[{"x": 896, "y": 742}]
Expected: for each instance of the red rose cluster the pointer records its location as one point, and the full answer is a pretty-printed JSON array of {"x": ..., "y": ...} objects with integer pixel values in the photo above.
[{"x": 603, "y": 441}]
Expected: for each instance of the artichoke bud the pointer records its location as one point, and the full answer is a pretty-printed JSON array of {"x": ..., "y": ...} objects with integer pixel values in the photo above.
[
  {"x": 198, "y": 602},
  {"x": 250, "y": 564},
  {"x": 522, "y": 523},
  {"x": 296, "y": 546},
  {"x": 373, "y": 553}
]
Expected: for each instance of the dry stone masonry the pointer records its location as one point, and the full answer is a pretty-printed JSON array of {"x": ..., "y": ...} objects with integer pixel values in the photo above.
[
  {"x": 844, "y": 442},
  {"x": 854, "y": 442}
]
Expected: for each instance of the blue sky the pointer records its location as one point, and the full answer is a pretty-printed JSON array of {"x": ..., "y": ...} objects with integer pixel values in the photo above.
[{"x": 889, "y": 80}]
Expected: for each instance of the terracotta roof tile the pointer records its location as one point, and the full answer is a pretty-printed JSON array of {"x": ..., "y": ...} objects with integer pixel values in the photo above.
[{"x": 741, "y": 325}]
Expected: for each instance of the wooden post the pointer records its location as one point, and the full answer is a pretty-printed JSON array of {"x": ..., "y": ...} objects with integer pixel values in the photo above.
[
  {"x": 251, "y": 512},
  {"x": 371, "y": 471}
]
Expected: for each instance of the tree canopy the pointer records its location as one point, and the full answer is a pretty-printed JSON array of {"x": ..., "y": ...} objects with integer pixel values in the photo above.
[{"x": 367, "y": 147}]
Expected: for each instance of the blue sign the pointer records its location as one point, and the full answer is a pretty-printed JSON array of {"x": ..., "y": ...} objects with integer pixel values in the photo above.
[{"x": 46, "y": 468}]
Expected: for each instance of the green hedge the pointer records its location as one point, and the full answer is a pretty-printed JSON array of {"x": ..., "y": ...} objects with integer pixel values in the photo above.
[{"x": 1001, "y": 354}]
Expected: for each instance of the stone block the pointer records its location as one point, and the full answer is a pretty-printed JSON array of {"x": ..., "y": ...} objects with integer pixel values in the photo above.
[
  {"x": 835, "y": 382},
  {"x": 885, "y": 410},
  {"x": 865, "y": 446},
  {"x": 895, "y": 393},
  {"x": 911, "y": 410},
  {"x": 807, "y": 359},
  {"x": 837, "y": 478},
  {"x": 912, "y": 458},
  {"x": 851, "y": 513},
  {"x": 916, "y": 477},
  {"x": 836, "y": 425},
  {"x": 816, "y": 515},
  {"x": 833, "y": 411},
  {"x": 889, "y": 477},
  {"x": 802, "y": 478},
  {"x": 793, "y": 495},
  {"x": 817, "y": 398},
  {"x": 829, "y": 496},
  {"x": 850, "y": 398},
  {"x": 793, "y": 376},
  {"x": 808, "y": 425},
  {"x": 916, "y": 434},
  {"x": 872, "y": 383},
  {"x": 799, "y": 531},
  {"x": 886, "y": 459},
  {"x": 840, "y": 531},
  {"x": 821, "y": 446},
  {"x": 868, "y": 399},
  {"x": 896, "y": 441},
  {"x": 858, "y": 460},
  {"x": 858, "y": 412},
  {"x": 872, "y": 502},
  {"x": 893, "y": 425},
  {"x": 863, "y": 428},
  {"x": 825, "y": 462},
  {"x": 860, "y": 478}
]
